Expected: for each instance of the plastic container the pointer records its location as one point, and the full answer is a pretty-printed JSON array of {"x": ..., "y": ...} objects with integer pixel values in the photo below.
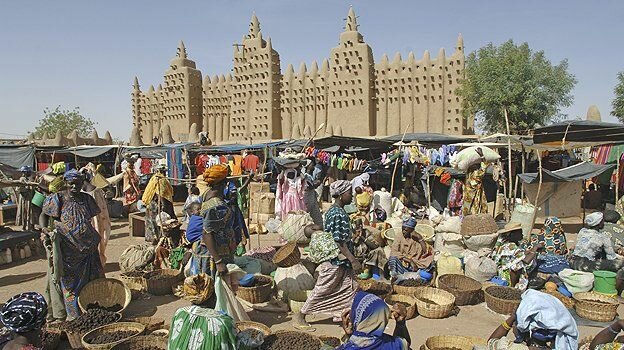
[
  {"x": 604, "y": 282},
  {"x": 563, "y": 290},
  {"x": 427, "y": 276},
  {"x": 38, "y": 199}
]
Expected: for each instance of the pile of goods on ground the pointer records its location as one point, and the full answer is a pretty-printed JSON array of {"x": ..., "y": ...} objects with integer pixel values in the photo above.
[
  {"x": 90, "y": 320},
  {"x": 112, "y": 308},
  {"x": 291, "y": 341}
]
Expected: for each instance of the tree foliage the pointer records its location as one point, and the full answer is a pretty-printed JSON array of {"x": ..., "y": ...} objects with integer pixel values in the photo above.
[
  {"x": 515, "y": 79},
  {"x": 618, "y": 101},
  {"x": 64, "y": 120}
]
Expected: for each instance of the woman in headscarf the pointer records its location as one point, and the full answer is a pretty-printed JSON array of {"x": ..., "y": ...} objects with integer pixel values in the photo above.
[
  {"x": 540, "y": 322},
  {"x": 102, "y": 220},
  {"x": 409, "y": 251},
  {"x": 72, "y": 211},
  {"x": 594, "y": 248},
  {"x": 23, "y": 316},
  {"x": 608, "y": 338},
  {"x": 550, "y": 244},
  {"x": 335, "y": 286},
  {"x": 130, "y": 188},
  {"x": 475, "y": 201},
  {"x": 361, "y": 182},
  {"x": 514, "y": 263},
  {"x": 366, "y": 321},
  {"x": 158, "y": 197},
  {"x": 231, "y": 197}
]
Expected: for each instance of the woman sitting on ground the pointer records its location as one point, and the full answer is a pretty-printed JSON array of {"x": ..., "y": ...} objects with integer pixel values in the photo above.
[
  {"x": 606, "y": 339},
  {"x": 550, "y": 244},
  {"x": 540, "y": 322},
  {"x": 594, "y": 248},
  {"x": 24, "y": 316},
  {"x": 409, "y": 251},
  {"x": 514, "y": 263},
  {"x": 366, "y": 321}
]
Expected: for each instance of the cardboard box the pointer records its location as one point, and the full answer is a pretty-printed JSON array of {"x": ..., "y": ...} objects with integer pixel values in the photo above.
[
  {"x": 260, "y": 218},
  {"x": 263, "y": 203},
  {"x": 256, "y": 187}
]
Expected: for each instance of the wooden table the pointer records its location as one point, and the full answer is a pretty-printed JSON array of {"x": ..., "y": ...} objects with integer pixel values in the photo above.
[{"x": 137, "y": 224}]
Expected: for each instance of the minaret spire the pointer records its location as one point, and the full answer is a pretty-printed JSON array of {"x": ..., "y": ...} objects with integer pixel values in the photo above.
[
  {"x": 351, "y": 25},
  {"x": 254, "y": 26},
  {"x": 181, "y": 50},
  {"x": 136, "y": 85}
]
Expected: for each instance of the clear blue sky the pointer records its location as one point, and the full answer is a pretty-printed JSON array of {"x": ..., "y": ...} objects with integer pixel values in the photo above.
[{"x": 86, "y": 53}]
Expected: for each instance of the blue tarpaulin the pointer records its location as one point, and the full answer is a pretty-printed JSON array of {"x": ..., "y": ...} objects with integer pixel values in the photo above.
[{"x": 17, "y": 156}]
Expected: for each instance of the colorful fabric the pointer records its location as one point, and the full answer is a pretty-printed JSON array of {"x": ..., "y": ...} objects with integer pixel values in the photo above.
[
  {"x": 215, "y": 174},
  {"x": 230, "y": 196},
  {"x": 130, "y": 186},
  {"x": 363, "y": 200},
  {"x": 72, "y": 174},
  {"x": 219, "y": 222},
  {"x": 509, "y": 257},
  {"x": 337, "y": 223},
  {"x": 333, "y": 292},
  {"x": 552, "y": 264},
  {"x": 474, "y": 195},
  {"x": 456, "y": 197},
  {"x": 610, "y": 346},
  {"x": 195, "y": 228},
  {"x": 198, "y": 328},
  {"x": 323, "y": 247},
  {"x": 339, "y": 187},
  {"x": 158, "y": 185},
  {"x": 397, "y": 267},
  {"x": 57, "y": 185},
  {"x": 369, "y": 316},
  {"x": 591, "y": 244},
  {"x": 24, "y": 312},
  {"x": 551, "y": 236},
  {"x": 58, "y": 168},
  {"x": 251, "y": 162}
]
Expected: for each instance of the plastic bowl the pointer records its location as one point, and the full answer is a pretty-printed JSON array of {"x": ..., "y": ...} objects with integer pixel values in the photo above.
[
  {"x": 247, "y": 280},
  {"x": 425, "y": 275},
  {"x": 563, "y": 290}
]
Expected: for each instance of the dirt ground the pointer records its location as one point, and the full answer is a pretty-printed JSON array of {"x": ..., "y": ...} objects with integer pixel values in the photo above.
[{"x": 29, "y": 275}]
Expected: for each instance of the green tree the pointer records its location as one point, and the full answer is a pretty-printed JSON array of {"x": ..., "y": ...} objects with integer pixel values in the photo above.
[
  {"x": 618, "y": 101},
  {"x": 64, "y": 120},
  {"x": 515, "y": 80}
]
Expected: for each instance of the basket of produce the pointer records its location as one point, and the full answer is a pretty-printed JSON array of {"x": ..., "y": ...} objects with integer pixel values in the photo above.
[
  {"x": 433, "y": 302},
  {"x": 259, "y": 292},
  {"x": 502, "y": 300},
  {"x": 596, "y": 307},
  {"x": 479, "y": 224},
  {"x": 142, "y": 343},
  {"x": 88, "y": 321},
  {"x": 455, "y": 342},
  {"x": 426, "y": 231},
  {"x": 407, "y": 301},
  {"x": 390, "y": 233},
  {"x": 105, "y": 337},
  {"x": 373, "y": 286},
  {"x": 566, "y": 301},
  {"x": 331, "y": 342},
  {"x": 160, "y": 282},
  {"x": 254, "y": 326},
  {"x": 287, "y": 340},
  {"x": 105, "y": 293},
  {"x": 409, "y": 286},
  {"x": 466, "y": 290},
  {"x": 151, "y": 323},
  {"x": 50, "y": 339},
  {"x": 288, "y": 255},
  {"x": 135, "y": 280}
]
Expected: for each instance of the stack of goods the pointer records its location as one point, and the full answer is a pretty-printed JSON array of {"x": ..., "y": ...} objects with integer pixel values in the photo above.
[{"x": 261, "y": 202}]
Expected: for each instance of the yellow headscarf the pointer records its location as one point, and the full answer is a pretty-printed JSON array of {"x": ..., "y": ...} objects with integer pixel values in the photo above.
[
  {"x": 363, "y": 200},
  {"x": 215, "y": 174},
  {"x": 158, "y": 185},
  {"x": 58, "y": 168}
]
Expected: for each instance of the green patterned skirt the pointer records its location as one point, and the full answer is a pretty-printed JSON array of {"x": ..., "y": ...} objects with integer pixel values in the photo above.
[{"x": 197, "y": 328}]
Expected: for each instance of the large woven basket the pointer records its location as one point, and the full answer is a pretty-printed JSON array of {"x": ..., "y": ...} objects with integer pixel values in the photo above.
[
  {"x": 466, "y": 290},
  {"x": 281, "y": 333},
  {"x": 151, "y": 323},
  {"x": 75, "y": 339},
  {"x": 243, "y": 325},
  {"x": 452, "y": 342},
  {"x": 442, "y": 306},
  {"x": 498, "y": 305},
  {"x": 142, "y": 342},
  {"x": 408, "y": 290},
  {"x": 596, "y": 307},
  {"x": 288, "y": 255},
  {"x": 106, "y": 292},
  {"x": 257, "y": 294},
  {"x": 567, "y": 302},
  {"x": 111, "y": 328},
  {"x": 479, "y": 224},
  {"x": 137, "y": 284},
  {"x": 159, "y": 282},
  {"x": 373, "y": 286},
  {"x": 398, "y": 298}
]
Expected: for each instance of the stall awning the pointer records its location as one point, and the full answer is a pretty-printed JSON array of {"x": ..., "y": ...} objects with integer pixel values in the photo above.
[
  {"x": 17, "y": 156},
  {"x": 579, "y": 133},
  {"x": 581, "y": 171},
  {"x": 429, "y": 138}
]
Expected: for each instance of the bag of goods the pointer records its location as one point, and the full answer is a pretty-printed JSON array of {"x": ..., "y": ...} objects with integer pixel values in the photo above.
[
  {"x": 476, "y": 243},
  {"x": 249, "y": 265},
  {"x": 226, "y": 298},
  {"x": 470, "y": 156},
  {"x": 136, "y": 257},
  {"x": 479, "y": 224},
  {"x": 523, "y": 215},
  {"x": 292, "y": 227},
  {"x": 323, "y": 247},
  {"x": 577, "y": 281},
  {"x": 448, "y": 264},
  {"x": 479, "y": 267},
  {"x": 452, "y": 225},
  {"x": 294, "y": 279},
  {"x": 450, "y": 243},
  {"x": 383, "y": 199}
]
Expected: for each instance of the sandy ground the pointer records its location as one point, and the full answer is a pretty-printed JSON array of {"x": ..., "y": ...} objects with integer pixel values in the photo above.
[{"x": 29, "y": 275}]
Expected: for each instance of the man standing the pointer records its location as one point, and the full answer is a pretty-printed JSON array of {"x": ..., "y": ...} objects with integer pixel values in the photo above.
[{"x": 310, "y": 199}]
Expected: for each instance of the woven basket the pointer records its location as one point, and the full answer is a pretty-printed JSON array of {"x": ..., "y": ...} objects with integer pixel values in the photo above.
[
  {"x": 331, "y": 342},
  {"x": 75, "y": 339},
  {"x": 370, "y": 285},
  {"x": 111, "y": 328},
  {"x": 596, "y": 307},
  {"x": 280, "y": 333},
  {"x": 411, "y": 309},
  {"x": 142, "y": 342},
  {"x": 106, "y": 292},
  {"x": 138, "y": 284},
  {"x": 498, "y": 305},
  {"x": 159, "y": 282},
  {"x": 452, "y": 341},
  {"x": 55, "y": 336},
  {"x": 409, "y": 291},
  {"x": 288, "y": 255},
  {"x": 444, "y": 302},
  {"x": 257, "y": 294},
  {"x": 243, "y": 325},
  {"x": 479, "y": 224},
  {"x": 151, "y": 323},
  {"x": 567, "y": 302},
  {"x": 466, "y": 290}
]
